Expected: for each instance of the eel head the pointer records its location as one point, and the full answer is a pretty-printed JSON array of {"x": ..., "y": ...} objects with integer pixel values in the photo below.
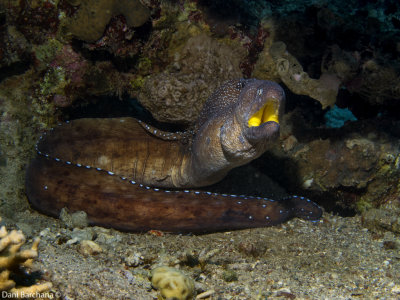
[
  {"x": 260, "y": 109},
  {"x": 255, "y": 123}
]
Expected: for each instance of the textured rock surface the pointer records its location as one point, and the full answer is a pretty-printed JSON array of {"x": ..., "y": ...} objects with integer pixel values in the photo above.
[
  {"x": 93, "y": 16},
  {"x": 178, "y": 93},
  {"x": 355, "y": 168}
]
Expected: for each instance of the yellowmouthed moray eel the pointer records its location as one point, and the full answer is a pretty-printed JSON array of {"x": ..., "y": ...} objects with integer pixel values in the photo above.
[{"x": 131, "y": 176}]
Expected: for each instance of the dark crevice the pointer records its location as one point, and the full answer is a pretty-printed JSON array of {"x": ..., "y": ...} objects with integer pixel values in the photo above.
[
  {"x": 121, "y": 63},
  {"x": 284, "y": 172},
  {"x": 114, "y": 107},
  {"x": 17, "y": 68}
]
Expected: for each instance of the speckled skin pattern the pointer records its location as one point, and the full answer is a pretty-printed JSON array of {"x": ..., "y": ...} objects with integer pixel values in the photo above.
[{"x": 125, "y": 174}]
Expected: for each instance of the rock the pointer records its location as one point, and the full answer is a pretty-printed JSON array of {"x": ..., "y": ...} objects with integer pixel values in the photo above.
[
  {"x": 82, "y": 234},
  {"x": 89, "y": 248},
  {"x": 178, "y": 93},
  {"x": 77, "y": 219}
]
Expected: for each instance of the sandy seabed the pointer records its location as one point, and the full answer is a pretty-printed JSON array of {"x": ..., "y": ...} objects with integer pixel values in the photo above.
[{"x": 335, "y": 258}]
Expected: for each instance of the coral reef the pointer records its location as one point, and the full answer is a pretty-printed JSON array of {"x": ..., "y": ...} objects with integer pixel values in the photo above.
[
  {"x": 348, "y": 167},
  {"x": 172, "y": 283},
  {"x": 365, "y": 74},
  {"x": 92, "y": 17},
  {"x": 35, "y": 20},
  {"x": 355, "y": 168},
  {"x": 118, "y": 39},
  {"x": 378, "y": 83},
  {"x": 12, "y": 258},
  {"x": 65, "y": 80},
  {"x": 14, "y": 46},
  {"x": 338, "y": 40},
  {"x": 177, "y": 94}
]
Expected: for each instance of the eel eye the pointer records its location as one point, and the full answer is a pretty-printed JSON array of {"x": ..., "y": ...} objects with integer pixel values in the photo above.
[{"x": 268, "y": 112}]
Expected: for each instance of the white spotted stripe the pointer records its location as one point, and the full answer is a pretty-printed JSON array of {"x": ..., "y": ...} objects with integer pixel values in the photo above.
[{"x": 163, "y": 134}]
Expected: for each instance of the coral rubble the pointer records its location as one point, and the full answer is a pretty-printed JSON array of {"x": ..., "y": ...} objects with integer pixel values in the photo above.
[{"x": 12, "y": 258}]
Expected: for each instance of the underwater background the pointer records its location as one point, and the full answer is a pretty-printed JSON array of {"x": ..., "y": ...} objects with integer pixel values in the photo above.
[{"x": 159, "y": 60}]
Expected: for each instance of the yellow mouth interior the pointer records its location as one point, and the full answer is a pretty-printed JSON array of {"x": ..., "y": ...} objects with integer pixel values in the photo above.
[{"x": 269, "y": 112}]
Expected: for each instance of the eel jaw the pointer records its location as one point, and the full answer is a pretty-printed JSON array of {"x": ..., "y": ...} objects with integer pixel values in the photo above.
[
  {"x": 267, "y": 113},
  {"x": 263, "y": 125}
]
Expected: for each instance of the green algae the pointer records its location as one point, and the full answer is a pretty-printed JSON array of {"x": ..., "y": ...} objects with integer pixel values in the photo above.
[
  {"x": 137, "y": 82},
  {"x": 54, "y": 82},
  {"x": 46, "y": 52},
  {"x": 144, "y": 65}
]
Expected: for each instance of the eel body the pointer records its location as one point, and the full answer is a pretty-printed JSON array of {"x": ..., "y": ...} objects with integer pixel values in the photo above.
[{"x": 128, "y": 175}]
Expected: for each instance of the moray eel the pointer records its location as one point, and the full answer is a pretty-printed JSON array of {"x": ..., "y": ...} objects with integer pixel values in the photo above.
[{"x": 131, "y": 176}]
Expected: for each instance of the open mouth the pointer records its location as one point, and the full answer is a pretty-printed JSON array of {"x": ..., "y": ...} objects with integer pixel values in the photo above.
[{"x": 268, "y": 112}]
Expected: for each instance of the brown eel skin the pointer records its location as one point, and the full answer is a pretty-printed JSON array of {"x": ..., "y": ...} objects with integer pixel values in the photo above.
[{"x": 131, "y": 176}]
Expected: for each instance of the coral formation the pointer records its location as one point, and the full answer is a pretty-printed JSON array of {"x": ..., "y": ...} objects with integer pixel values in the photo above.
[
  {"x": 172, "y": 283},
  {"x": 344, "y": 64},
  {"x": 34, "y": 20},
  {"x": 119, "y": 39},
  {"x": 12, "y": 258},
  {"x": 378, "y": 83},
  {"x": 14, "y": 46},
  {"x": 359, "y": 170},
  {"x": 93, "y": 16},
  {"x": 65, "y": 78},
  {"x": 178, "y": 93},
  {"x": 377, "y": 80},
  {"x": 277, "y": 61}
]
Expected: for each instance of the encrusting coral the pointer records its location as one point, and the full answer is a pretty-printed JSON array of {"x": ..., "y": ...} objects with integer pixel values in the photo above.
[
  {"x": 94, "y": 15},
  {"x": 12, "y": 258}
]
